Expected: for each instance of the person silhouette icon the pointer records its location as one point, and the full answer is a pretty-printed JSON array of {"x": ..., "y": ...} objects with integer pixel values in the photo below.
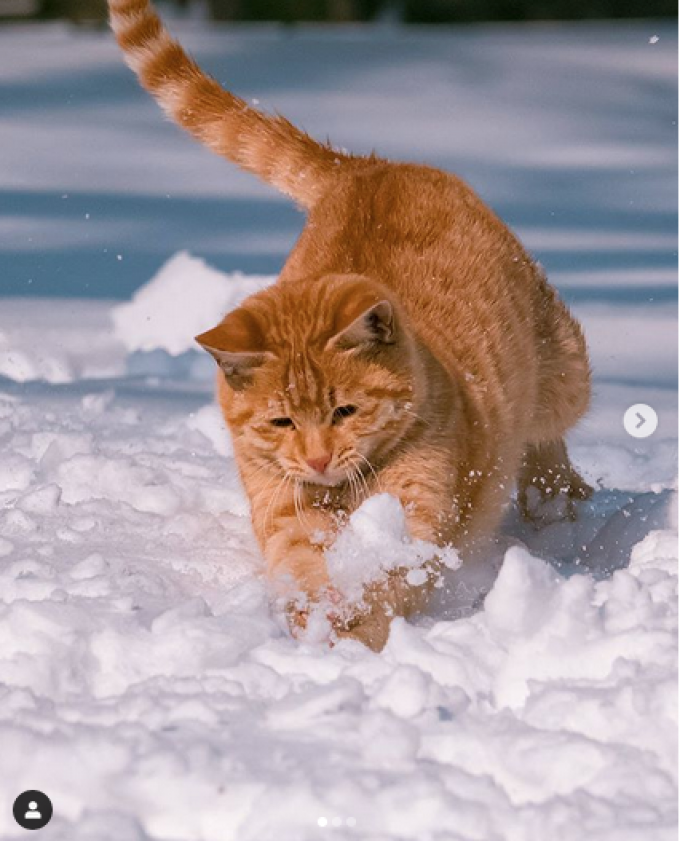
[
  {"x": 32, "y": 809},
  {"x": 33, "y": 814}
]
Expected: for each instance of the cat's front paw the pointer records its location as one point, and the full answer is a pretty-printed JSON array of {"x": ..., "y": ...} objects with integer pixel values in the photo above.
[
  {"x": 297, "y": 619},
  {"x": 312, "y": 617},
  {"x": 327, "y": 618},
  {"x": 372, "y": 629}
]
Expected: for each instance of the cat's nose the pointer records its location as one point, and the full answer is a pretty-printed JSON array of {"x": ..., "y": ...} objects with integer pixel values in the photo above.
[{"x": 320, "y": 463}]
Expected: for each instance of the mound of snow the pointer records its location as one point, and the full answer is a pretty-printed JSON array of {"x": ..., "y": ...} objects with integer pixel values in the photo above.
[
  {"x": 57, "y": 341},
  {"x": 375, "y": 541},
  {"x": 185, "y": 298},
  {"x": 145, "y": 686}
]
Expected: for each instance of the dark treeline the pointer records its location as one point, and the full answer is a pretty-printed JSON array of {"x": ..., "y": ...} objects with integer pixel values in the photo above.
[
  {"x": 408, "y": 11},
  {"x": 439, "y": 11}
]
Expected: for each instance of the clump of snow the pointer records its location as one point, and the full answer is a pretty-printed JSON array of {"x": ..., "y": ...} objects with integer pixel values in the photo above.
[
  {"x": 376, "y": 541},
  {"x": 185, "y": 297}
]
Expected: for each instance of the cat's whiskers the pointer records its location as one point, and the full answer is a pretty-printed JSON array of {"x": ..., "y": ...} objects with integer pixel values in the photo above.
[
  {"x": 357, "y": 486},
  {"x": 345, "y": 464},
  {"x": 272, "y": 502},
  {"x": 357, "y": 482},
  {"x": 299, "y": 508},
  {"x": 262, "y": 491},
  {"x": 362, "y": 479},
  {"x": 371, "y": 468},
  {"x": 262, "y": 467},
  {"x": 296, "y": 502},
  {"x": 349, "y": 471}
]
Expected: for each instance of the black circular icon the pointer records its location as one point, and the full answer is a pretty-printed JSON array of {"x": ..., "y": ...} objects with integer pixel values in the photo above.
[{"x": 32, "y": 809}]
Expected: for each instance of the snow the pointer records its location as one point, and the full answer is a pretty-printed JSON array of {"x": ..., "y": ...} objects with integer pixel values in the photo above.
[
  {"x": 375, "y": 541},
  {"x": 150, "y": 320},
  {"x": 145, "y": 683}
]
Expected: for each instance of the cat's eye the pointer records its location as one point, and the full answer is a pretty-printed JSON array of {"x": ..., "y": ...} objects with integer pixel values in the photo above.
[
  {"x": 283, "y": 423},
  {"x": 343, "y": 412}
]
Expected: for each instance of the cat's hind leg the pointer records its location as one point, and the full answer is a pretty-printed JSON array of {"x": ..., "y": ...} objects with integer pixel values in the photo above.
[{"x": 548, "y": 485}]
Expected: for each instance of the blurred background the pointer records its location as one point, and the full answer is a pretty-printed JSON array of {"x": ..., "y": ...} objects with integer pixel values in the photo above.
[
  {"x": 407, "y": 11},
  {"x": 567, "y": 129}
]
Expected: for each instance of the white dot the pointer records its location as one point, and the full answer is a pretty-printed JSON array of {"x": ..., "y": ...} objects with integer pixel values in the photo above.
[
  {"x": 337, "y": 821},
  {"x": 323, "y": 821},
  {"x": 351, "y": 821},
  {"x": 32, "y": 805}
]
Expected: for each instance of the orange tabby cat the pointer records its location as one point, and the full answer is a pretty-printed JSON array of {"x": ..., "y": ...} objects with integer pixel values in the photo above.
[{"x": 410, "y": 346}]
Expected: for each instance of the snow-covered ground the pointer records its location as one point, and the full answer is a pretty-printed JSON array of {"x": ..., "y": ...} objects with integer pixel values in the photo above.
[{"x": 144, "y": 683}]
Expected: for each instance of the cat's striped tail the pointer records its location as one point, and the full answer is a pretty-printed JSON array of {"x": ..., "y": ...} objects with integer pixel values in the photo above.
[{"x": 268, "y": 146}]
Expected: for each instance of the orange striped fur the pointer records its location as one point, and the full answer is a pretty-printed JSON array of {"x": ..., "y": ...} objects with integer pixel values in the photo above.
[{"x": 410, "y": 346}]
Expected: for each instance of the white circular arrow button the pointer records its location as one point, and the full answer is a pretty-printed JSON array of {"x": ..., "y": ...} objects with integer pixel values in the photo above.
[{"x": 640, "y": 421}]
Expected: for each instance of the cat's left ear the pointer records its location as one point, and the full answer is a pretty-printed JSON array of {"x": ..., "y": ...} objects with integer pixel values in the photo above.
[
  {"x": 237, "y": 344},
  {"x": 366, "y": 324}
]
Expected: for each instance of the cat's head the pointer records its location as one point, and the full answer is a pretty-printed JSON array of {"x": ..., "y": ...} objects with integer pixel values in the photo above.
[{"x": 320, "y": 376}]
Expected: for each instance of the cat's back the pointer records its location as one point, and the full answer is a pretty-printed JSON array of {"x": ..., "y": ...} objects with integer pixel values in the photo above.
[{"x": 421, "y": 231}]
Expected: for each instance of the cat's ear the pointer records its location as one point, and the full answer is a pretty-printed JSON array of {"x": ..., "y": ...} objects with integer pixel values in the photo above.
[
  {"x": 365, "y": 323},
  {"x": 237, "y": 344}
]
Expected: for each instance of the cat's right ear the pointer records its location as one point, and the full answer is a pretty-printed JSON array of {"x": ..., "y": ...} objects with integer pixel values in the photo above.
[
  {"x": 237, "y": 344},
  {"x": 365, "y": 322}
]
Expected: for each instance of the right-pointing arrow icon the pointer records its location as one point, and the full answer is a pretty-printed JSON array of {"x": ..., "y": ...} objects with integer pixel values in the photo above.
[{"x": 640, "y": 420}]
